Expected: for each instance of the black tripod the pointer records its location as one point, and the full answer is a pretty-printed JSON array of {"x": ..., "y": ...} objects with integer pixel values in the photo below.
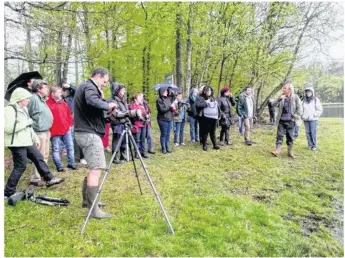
[{"x": 132, "y": 142}]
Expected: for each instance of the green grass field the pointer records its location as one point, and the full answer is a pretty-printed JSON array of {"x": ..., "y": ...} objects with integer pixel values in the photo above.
[{"x": 238, "y": 201}]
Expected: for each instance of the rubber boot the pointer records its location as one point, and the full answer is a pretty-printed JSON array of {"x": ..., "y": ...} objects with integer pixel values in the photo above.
[
  {"x": 276, "y": 152},
  {"x": 97, "y": 213},
  {"x": 290, "y": 153},
  {"x": 83, "y": 192}
]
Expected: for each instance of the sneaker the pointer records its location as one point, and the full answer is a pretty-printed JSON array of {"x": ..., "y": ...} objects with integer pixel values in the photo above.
[
  {"x": 193, "y": 141},
  {"x": 176, "y": 144},
  {"x": 54, "y": 181},
  {"x": 107, "y": 149},
  {"x": 182, "y": 144},
  {"x": 314, "y": 149},
  {"x": 83, "y": 161},
  {"x": 73, "y": 167},
  {"x": 64, "y": 153},
  {"x": 38, "y": 183},
  {"x": 61, "y": 169},
  {"x": 151, "y": 151}
]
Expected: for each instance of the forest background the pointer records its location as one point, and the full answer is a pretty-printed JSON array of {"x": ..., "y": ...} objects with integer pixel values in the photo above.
[{"x": 199, "y": 43}]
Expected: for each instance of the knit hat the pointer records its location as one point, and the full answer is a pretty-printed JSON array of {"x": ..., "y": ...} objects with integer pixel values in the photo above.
[{"x": 19, "y": 94}]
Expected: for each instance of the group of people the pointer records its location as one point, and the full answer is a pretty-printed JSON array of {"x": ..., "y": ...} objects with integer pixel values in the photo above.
[{"x": 79, "y": 120}]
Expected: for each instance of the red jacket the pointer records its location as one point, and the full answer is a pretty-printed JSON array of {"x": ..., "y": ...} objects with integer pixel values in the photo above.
[
  {"x": 137, "y": 122},
  {"x": 62, "y": 117}
]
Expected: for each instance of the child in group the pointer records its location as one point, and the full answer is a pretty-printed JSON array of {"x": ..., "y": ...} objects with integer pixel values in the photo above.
[
  {"x": 61, "y": 129},
  {"x": 179, "y": 120}
]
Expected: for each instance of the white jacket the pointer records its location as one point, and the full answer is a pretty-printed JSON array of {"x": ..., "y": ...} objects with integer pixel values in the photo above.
[{"x": 312, "y": 110}]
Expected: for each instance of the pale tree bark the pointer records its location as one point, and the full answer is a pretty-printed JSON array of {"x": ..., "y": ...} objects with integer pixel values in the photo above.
[{"x": 58, "y": 58}]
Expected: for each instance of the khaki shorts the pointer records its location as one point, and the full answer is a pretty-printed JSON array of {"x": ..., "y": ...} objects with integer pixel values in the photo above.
[{"x": 93, "y": 149}]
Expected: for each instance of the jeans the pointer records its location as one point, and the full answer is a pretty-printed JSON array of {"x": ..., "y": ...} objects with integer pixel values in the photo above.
[
  {"x": 20, "y": 155},
  {"x": 240, "y": 125},
  {"x": 149, "y": 138},
  {"x": 285, "y": 128},
  {"x": 68, "y": 142},
  {"x": 140, "y": 139},
  {"x": 310, "y": 131},
  {"x": 296, "y": 131},
  {"x": 179, "y": 132},
  {"x": 194, "y": 129},
  {"x": 165, "y": 127}
]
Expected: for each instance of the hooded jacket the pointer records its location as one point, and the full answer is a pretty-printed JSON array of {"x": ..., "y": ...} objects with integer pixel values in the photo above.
[
  {"x": 62, "y": 117},
  {"x": 122, "y": 108},
  {"x": 163, "y": 105},
  {"x": 24, "y": 135},
  {"x": 312, "y": 108}
]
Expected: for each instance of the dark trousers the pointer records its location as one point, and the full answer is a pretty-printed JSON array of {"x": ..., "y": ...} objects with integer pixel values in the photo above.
[
  {"x": 225, "y": 133},
  {"x": 20, "y": 155},
  {"x": 272, "y": 116},
  {"x": 114, "y": 142},
  {"x": 207, "y": 126},
  {"x": 165, "y": 127},
  {"x": 285, "y": 128}
]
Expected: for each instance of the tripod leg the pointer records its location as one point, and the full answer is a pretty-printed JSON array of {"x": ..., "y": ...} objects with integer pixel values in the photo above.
[
  {"x": 151, "y": 183},
  {"x": 102, "y": 182},
  {"x": 135, "y": 166}
]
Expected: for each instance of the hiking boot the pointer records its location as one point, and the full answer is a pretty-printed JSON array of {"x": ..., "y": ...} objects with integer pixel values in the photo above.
[
  {"x": 276, "y": 152},
  {"x": 144, "y": 155},
  {"x": 96, "y": 212},
  {"x": 221, "y": 143},
  {"x": 54, "y": 181},
  {"x": 83, "y": 192},
  {"x": 38, "y": 183},
  {"x": 151, "y": 152},
  {"x": 290, "y": 154},
  {"x": 248, "y": 142},
  {"x": 204, "y": 147},
  {"x": 215, "y": 147},
  {"x": 73, "y": 167}
]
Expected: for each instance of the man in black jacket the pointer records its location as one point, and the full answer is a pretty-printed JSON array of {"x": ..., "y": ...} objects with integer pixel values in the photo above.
[{"x": 89, "y": 126}]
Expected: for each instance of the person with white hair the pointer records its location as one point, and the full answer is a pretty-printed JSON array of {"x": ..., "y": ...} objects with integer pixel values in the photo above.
[{"x": 289, "y": 110}]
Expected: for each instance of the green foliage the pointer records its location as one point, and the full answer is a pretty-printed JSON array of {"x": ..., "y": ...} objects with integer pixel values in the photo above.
[{"x": 238, "y": 201}]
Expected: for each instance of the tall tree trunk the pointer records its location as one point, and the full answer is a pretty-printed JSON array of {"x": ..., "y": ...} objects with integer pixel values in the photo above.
[
  {"x": 58, "y": 58},
  {"x": 189, "y": 50},
  {"x": 144, "y": 68},
  {"x": 76, "y": 59},
  {"x": 179, "y": 72},
  {"x": 148, "y": 71},
  {"x": 87, "y": 34},
  {"x": 66, "y": 59},
  {"x": 29, "y": 47},
  {"x": 6, "y": 79}
]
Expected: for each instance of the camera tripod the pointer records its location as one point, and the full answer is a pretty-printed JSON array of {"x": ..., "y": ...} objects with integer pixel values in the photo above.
[{"x": 129, "y": 143}]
